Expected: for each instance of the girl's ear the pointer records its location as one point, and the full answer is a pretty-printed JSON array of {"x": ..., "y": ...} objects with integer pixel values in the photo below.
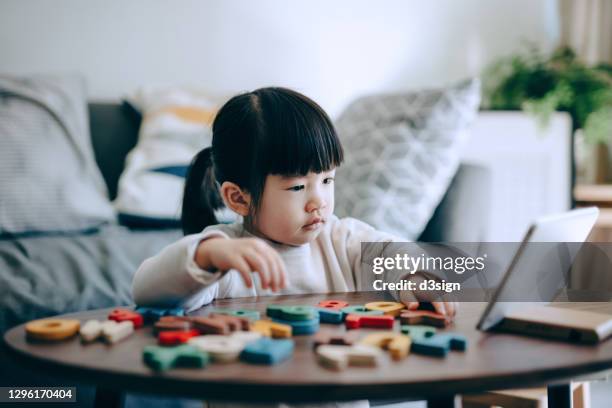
[{"x": 235, "y": 199}]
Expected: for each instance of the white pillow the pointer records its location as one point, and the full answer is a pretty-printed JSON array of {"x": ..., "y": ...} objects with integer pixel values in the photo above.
[
  {"x": 49, "y": 179},
  {"x": 401, "y": 153},
  {"x": 176, "y": 126}
]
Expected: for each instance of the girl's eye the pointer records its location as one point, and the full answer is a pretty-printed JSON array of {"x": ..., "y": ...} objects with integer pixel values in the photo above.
[
  {"x": 296, "y": 188},
  {"x": 328, "y": 180}
]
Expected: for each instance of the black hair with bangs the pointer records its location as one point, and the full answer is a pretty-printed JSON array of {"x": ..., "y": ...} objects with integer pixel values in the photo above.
[{"x": 268, "y": 131}]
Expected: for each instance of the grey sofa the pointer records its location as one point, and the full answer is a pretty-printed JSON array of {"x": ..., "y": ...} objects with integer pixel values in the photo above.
[{"x": 47, "y": 275}]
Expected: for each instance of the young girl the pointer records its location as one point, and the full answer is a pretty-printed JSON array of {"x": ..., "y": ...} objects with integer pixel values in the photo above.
[{"x": 273, "y": 159}]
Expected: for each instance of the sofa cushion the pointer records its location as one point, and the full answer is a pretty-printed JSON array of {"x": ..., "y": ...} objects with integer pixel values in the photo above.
[
  {"x": 401, "y": 153},
  {"x": 49, "y": 180},
  {"x": 176, "y": 126}
]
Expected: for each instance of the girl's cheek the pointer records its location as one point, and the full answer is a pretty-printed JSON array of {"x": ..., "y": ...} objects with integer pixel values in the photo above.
[
  {"x": 331, "y": 200},
  {"x": 294, "y": 201}
]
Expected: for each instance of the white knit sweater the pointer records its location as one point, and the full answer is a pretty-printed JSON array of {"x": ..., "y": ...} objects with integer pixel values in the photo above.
[{"x": 330, "y": 263}]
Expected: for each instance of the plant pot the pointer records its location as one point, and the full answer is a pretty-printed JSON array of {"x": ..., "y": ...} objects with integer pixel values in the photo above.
[{"x": 592, "y": 161}]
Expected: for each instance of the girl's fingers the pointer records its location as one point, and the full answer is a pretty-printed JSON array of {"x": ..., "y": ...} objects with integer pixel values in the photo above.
[
  {"x": 243, "y": 268},
  {"x": 275, "y": 265},
  {"x": 446, "y": 308},
  {"x": 258, "y": 265},
  {"x": 450, "y": 308},
  {"x": 409, "y": 299},
  {"x": 279, "y": 269},
  {"x": 440, "y": 307},
  {"x": 267, "y": 253}
]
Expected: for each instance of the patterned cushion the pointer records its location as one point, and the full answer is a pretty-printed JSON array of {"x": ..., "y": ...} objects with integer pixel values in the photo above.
[
  {"x": 49, "y": 180},
  {"x": 176, "y": 125},
  {"x": 401, "y": 153}
]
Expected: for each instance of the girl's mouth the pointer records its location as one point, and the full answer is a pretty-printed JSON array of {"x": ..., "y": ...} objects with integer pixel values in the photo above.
[{"x": 314, "y": 224}]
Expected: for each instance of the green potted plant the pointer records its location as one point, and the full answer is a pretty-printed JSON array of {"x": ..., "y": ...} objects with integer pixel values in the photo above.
[{"x": 542, "y": 84}]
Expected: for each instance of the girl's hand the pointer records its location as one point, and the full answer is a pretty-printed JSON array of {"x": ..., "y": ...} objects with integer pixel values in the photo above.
[
  {"x": 247, "y": 256},
  {"x": 446, "y": 308},
  {"x": 412, "y": 299}
]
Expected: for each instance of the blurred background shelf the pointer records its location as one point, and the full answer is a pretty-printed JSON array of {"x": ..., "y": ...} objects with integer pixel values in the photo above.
[{"x": 599, "y": 195}]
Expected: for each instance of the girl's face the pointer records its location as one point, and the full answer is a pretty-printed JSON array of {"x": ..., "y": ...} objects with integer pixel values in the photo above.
[{"x": 294, "y": 210}]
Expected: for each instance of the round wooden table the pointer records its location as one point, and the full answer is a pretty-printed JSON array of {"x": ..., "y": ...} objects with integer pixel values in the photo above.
[{"x": 493, "y": 361}]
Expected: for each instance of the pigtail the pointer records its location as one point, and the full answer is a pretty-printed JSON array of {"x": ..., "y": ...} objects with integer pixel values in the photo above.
[{"x": 201, "y": 197}]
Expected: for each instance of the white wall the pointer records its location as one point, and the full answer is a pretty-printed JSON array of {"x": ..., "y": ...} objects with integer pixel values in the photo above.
[{"x": 330, "y": 50}]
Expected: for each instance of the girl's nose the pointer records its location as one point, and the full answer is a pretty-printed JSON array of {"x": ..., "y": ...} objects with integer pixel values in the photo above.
[{"x": 316, "y": 203}]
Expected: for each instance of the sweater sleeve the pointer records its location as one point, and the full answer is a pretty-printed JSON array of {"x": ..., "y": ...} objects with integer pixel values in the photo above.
[{"x": 172, "y": 278}]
